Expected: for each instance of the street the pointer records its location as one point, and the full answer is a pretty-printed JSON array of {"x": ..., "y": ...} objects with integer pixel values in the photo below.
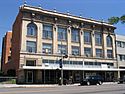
[{"x": 94, "y": 89}]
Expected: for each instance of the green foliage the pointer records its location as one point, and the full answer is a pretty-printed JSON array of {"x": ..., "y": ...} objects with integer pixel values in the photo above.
[
  {"x": 11, "y": 81},
  {"x": 113, "y": 20},
  {"x": 122, "y": 19}
]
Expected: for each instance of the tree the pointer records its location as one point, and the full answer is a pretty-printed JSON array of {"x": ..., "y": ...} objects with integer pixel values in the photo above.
[{"x": 115, "y": 20}]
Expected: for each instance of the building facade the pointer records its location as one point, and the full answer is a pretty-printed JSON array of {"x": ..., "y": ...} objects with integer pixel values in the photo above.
[
  {"x": 6, "y": 52},
  {"x": 40, "y": 38},
  {"x": 120, "y": 51}
]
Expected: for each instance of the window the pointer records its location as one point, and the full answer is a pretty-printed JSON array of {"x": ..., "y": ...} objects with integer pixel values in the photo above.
[
  {"x": 62, "y": 49},
  {"x": 75, "y": 50},
  {"x": 62, "y": 33},
  {"x": 98, "y": 39},
  {"x": 98, "y": 52},
  {"x": 75, "y": 35},
  {"x": 122, "y": 57},
  {"x": 109, "y": 53},
  {"x": 47, "y": 48},
  {"x": 9, "y": 58},
  {"x": 121, "y": 44},
  {"x": 31, "y": 29},
  {"x": 118, "y": 44},
  {"x": 87, "y": 37},
  {"x": 31, "y": 46},
  {"x": 109, "y": 41},
  {"x": 30, "y": 62},
  {"x": 47, "y": 31},
  {"x": 87, "y": 52}
]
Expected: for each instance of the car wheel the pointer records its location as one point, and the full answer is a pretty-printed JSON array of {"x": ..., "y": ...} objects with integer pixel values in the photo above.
[
  {"x": 100, "y": 82},
  {"x": 88, "y": 83}
]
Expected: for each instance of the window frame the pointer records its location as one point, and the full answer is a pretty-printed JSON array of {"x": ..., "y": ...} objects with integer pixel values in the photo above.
[
  {"x": 110, "y": 56},
  {"x": 31, "y": 27},
  {"x": 109, "y": 41},
  {"x": 87, "y": 37},
  {"x": 100, "y": 53},
  {"x": 64, "y": 49},
  {"x": 75, "y": 36},
  {"x": 98, "y": 39},
  {"x": 74, "y": 48},
  {"x": 47, "y": 34},
  {"x": 48, "y": 46},
  {"x": 87, "y": 54},
  {"x": 29, "y": 48},
  {"x": 62, "y": 35}
]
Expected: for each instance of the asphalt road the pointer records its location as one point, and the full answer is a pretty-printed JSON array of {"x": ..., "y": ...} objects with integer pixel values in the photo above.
[{"x": 94, "y": 89}]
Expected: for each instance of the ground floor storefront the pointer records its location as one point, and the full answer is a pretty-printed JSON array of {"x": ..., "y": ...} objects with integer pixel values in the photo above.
[{"x": 31, "y": 76}]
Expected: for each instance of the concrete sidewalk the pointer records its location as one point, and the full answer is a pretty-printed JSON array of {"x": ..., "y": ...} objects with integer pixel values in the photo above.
[{"x": 47, "y": 85}]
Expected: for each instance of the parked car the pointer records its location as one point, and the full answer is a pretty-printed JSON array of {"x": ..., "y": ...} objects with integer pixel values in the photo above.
[
  {"x": 121, "y": 80},
  {"x": 92, "y": 80}
]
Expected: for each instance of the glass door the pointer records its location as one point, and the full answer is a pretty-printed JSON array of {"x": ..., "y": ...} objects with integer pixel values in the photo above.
[{"x": 29, "y": 76}]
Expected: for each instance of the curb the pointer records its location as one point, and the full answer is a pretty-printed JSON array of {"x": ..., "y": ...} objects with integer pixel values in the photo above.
[{"x": 44, "y": 86}]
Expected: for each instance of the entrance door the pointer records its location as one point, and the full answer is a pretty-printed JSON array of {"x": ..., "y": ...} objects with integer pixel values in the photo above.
[{"x": 29, "y": 76}]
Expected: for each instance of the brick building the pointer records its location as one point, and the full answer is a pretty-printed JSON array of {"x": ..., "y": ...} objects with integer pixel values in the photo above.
[
  {"x": 6, "y": 52},
  {"x": 41, "y": 38}
]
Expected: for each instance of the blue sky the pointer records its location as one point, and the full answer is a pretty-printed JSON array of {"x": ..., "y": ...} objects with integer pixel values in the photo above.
[{"x": 97, "y": 9}]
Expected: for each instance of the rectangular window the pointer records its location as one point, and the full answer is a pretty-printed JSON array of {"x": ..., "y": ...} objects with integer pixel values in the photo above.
[
  {"x": 62, "y": 33},
  {"x": 109, "y": 53},
  {"x": 98, "y": 52},
  {"x": 87, "y": 52},
  {"x": 118, "y": 44},
  {"x": 122, "y": 57},
  {"x": 87, "y": 37},
  {"x": 9, "y": 58},
  {"x": 62, "y": 49},
  {"x": 75, "y": 35},
  {"x": 98, "y": 39},
  {"x": 47, "y": 31},
  {"x": 31, "y": 46},
  {"x": 30, "y": 62},
  {"x": 75, "y": 50},
  {"x": 47, "y": 48}
]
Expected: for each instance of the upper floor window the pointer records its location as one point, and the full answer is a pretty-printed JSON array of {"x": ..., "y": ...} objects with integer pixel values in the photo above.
[
  {"x": 62, "y": 49},
  {"x": 75, "y": 50},
  {"x": 118, "y": 44},
  {"x": 109, "y": 41},
  {"x": 31, "y": 29},
  {"x": 47, "y": 31},
  {"x": 98, "y": 39},
  {"x": 31, "y": 46},
  {"x": 87, "y": 51},
  {"x": 121, "y": 44},
  {"x": 47, "y": 48},
  {"x": 62, "y": 33},
  {"x": 122, "y": 57},
  {"x": 30, "y": 62},
  {"x": 109, "y": 53},
  {"x": 75, "y": 35},
  {"x": 98, "y": 52},
  {"x": 87, "y": 37}
]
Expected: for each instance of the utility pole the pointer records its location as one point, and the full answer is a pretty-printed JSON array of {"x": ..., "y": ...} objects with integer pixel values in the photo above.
[{"x": 61, "y": 60}]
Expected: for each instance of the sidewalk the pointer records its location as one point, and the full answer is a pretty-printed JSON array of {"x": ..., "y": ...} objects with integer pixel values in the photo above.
[{"x": 44, "y": 86}]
